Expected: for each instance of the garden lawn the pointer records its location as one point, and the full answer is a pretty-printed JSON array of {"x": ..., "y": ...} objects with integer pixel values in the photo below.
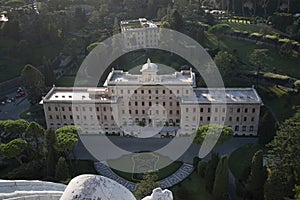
[
  {"x": 252, "y": 28},
  {"x": 283, "y": 102},
  {"x": 241, "y": 159},
  {"x": 192, "y": 188},
  {"x": 282, "y": 65}
]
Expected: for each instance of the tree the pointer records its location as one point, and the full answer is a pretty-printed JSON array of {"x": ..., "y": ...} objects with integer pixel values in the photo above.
[
  {"x": 151, "y": 9},
  {"x": 218, "y": 30},
  {"x": 34, "y": 82},
  {"x": 66, "y": 138},
  {"x": 283, "y": 162},
  {"x": 210, "y": 171},
  {"x": 51, "y": 153},
  {"x": 212, "y": 131},
  {"x": 61, "y": 170},
  {"x": 258, "y": 58},
  {"x": 226, "y": 63},
  {"x": 176, "y": 21},
  {"x": 12, "y": 129},
  {"x": 35, "y": 136},
  {"x": 256, "y": 181},
  {"x": 13, "y": 149},
  {"x": 48, "y": 72},
  {"x": 73, "y": 46},
  {"x": 145, "y": 186},
  {"x": 201, "y": 168},
  {"x": 221, "y": 183}
]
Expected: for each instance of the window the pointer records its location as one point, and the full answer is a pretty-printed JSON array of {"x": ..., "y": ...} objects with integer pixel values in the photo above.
[
  {"x": 252, "y": 119},
  {"x": 156, "y": 91},
  {"x": 149, "y": 91},
  {"x": 98, "y": 117},
  {"x": 171, "y": 104},
  {"x": 128, "y": 91},
  {"x": 208, "y": 110},
  {"x": 208, "y": 118},
  {"x": 71, "y": 116},
  {"x": 186, "y": 109},
  {"x": 130, "y": 112},
  {"x": 57, "y": 117},
  {"x": 170, "y": 91},
  {"x": 201, "y": 109},
  {"x": 244, "y": 128},
  {"x": 121, "y": 91},
  {"x": 142, "y": 91},
  {"x": 164, "y": 91},
  {"x": 164, "y": 103},
  {"x": 223, "y": 110},
  {"x": 177, "y": 112},
  {"x": 251, "y": 128},
  {"x": 135, "y": 91},
  {"x": 136, "y": 112},
  {"x": 253, "y": 110},
  {"x": 97, "y": 109},
  {"x": 216, "y": 109},
  {"x": 237, "y": 119},
  {"x": 150, "y": 103},
  {"x": 186, "y": 92},
  {"x": 238, "y": 110},
  {"x": 104, "y": 108},
  {"x": 50, "y": 116},
  {"x": 56, "y": 109},
  {"x": 136, "y": 103},
  {"x": 236, "y": 128},
  {"x": 201, "y": 118},
  {"x": 245, "y": 119},
  {"x": 177, "y": 103},
  {"x": 230, "y": 119},
  {"x": 177, "y": 91},
  {"x": 70, "y": 108},
  {"x": 223, "y": 119},
  {"x": 112, "y": 117},
  {"x": 129, "y": 103},
  {"x": 194, "y": 118},
  {"x": 230, "y": 110},
  {"x": 246, "y": 110},
  {"x": 49, "y": 108},
  {"x": 91, "y": 116},
  {"x": 76, "y": 108},
  {"x": 77, "y": 117},
  {"x": 171, "y": 112},
  {"x": 105, "y": 117},
  {"x": 84, "y": 117},
  {"x": 64, "y": 116}
]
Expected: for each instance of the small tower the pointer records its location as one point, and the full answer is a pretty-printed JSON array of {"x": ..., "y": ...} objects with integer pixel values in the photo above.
[{"x": 149, "y": 71}]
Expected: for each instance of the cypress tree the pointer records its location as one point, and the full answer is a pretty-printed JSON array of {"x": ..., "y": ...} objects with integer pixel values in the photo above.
[
  {"x": 62, "y": 170},
  {"x": 209, "y": 177},
  {"x": 221, "y": 184},
  {"x": 257, "y": 178}
]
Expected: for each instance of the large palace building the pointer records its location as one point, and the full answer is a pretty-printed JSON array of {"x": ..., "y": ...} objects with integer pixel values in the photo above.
[{"x": 136, "y": 104}]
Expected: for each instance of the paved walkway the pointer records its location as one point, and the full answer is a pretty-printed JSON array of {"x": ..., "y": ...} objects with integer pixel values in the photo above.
[{"x": 182, "y": 173}]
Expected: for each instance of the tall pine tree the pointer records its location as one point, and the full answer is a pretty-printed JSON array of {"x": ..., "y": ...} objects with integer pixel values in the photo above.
[{"x": 221, "y": 184}]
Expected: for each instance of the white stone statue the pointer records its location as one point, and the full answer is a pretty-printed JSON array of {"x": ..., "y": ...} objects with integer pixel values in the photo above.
[{"x": 159, "y": 194}]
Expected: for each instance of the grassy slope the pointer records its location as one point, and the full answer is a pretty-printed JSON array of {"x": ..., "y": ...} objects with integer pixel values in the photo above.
[{"x": 241, "y": 159}]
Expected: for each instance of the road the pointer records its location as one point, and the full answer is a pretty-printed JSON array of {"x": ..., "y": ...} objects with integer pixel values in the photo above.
[{"x": 14, "y": 109}]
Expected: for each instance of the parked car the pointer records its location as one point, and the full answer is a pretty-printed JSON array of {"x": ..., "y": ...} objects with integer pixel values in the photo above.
[
  {"x": 3, "y": 103},
  {"x": 8, "y": 101},
  {"x": 19, "y": 90},
  {"x": 20, "y": 94}
]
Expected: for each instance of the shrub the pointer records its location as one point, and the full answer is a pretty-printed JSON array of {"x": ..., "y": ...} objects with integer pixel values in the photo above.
[{"x": 277, "y": 78}]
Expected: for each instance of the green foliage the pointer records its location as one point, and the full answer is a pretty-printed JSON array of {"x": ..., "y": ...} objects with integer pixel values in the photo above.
[
  {"x": 51, "y": 153},
  {"x": 73, "y": 46},
  {"x": 213, "y": 132},
  {"x": 176, "y": 21},
  {"x": 13, "y": 149},
  {"x": 218, "y": 30},
  {"x": 297, "y": 84},
  {"x": 256, "y": 181},
  {"x": 12, "y": 129},
  {"x": 226, "y": 63},
  {"x": 66, "y": 138},
  {"x": 61, "y": 170},
  {"x": 201, "y": 168},
  {"x": 221, "y": 183},
  {"x": 146, "y": 185},
  {"x": 35, "y": 136},
  {"x": 284, "y": 163},
  {"x": 258, "y": 57},
  {"x": 268, "y": 127},
  {"x": 210, "y": 172},
  {"x": 297, "y": 192},
  {"x": 34, "y": 82},
  {"x": 91, "y": 46}
]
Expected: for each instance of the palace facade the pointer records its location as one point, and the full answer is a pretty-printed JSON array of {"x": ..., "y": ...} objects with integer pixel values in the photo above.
[{"x": 137, "y": 104}]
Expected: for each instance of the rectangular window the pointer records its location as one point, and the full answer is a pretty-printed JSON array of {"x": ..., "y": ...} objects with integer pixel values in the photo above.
[
  {"x": 223, "y": 110},
  {"x": 208, "y": 110},
  {"x": 236, "y": 128},
  {"x": 70, "y": 108},
  {"x": 156, "y": 91},
  {"x": 150, "y": 103},
  {"x": 142, "y": 91},
  {"x": 49, "y": 108},
  {"x": 63, "y": 108},
  {"x": 237, "y": 119},
  {"x": 230, "y": 119},
  {"x": 50, "y": 116},
  {"x": 57, "y": 117},
  {"x": 171, "y": 112},
  {"x": 171, "y": 104},
  {"x": 230, "y": 110},
  {"x": 216, "y": 109},
  {"x": 246, "y": 110},
  {"x": 64, "y": 116},
  {"x": 186, "y": 109},
  {"x": 177, "y": 91},
  {"x": 136, "y": 103},
  {"x": 201, "y": 109},
  {"x": 164, "y": 91},
  {"x": 104, "y": 109},
  {"x": 244, "y": 128},
  {"x": 136, "y": 112},
  {"x": 77, "y": 117},
  {"x": 71, "y": 116},
  {"x": 105, "y": 117},
  {"x": 208, "y": 118},
  {"x": 56, "y": 109},
  {"x": 252, "y": 119},
  {"x": 149, "y": 91},
  {"x": 238, "y": 110},
  {"x": 201, "y": 118},
  {"x": 245, "y": 119},
  {"x": 76, "y": 108},
  {"x": 97, "y": 109},
  {"x": 177, "y": 112},
  {"x": 253, "y": 110}
]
